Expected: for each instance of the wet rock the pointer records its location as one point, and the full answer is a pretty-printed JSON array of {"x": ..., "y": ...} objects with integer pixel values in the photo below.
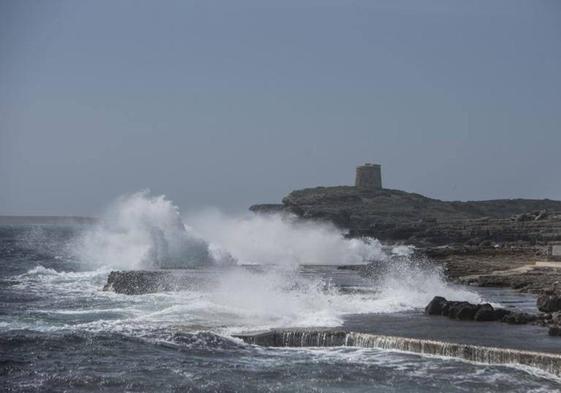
[
  {"x": 549, "y": 303},
  {"x": 465, "y": 312},
  {"x": 500, "y": 313},
  {"x": 555, "y": 318},
  {"x": 140, "y": 282},
  {"x": 435, "y": 306},
  {"x": 450, "y": 308},
  {"x": 485, "y": 312},
  {"x": 518, "y": 318},
  {"x": 554, "y": 330}
]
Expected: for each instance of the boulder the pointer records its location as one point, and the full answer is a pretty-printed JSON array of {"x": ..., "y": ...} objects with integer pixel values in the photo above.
[
  {"x": 466, "y": 312},
  {"x": 450, "y": 308},
  {"x": 554, "y": 330},
  {"x": 519, "y": 318},
  {"x": 435, "y": 306},
  {"x": 556, "y": 318},
  {"x": 140, "y": 282},
  {"x": 485, "y": 312},
  {"x": 549, "y": 303},
  {"x": 500, "y": 313}
]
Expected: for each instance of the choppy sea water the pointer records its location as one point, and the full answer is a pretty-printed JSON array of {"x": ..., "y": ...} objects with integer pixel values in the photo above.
[{"x": 60, "y": 332}]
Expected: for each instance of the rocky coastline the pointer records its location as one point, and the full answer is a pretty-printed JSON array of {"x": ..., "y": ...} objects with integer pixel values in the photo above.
[
  {"x": 499, "y": 243},
  {"x": 548, "y": 305},
  {"x": 399, "y": 216}
]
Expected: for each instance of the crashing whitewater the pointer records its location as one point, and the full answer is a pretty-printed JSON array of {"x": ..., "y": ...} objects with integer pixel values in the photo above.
[{"x": 140, "y": 231}]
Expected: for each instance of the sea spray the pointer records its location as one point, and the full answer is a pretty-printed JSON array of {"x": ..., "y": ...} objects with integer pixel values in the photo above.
[
  {"x": 283, "y": 240},
  {"x": 405, "y": 282},
  {"x": 139, "y": 231}
]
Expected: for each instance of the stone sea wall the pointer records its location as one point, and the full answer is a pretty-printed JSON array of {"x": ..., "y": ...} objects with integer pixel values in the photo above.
[{"x": 547, "y": 362}]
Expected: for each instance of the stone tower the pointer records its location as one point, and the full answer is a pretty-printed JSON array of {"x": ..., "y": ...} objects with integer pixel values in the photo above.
[{"x": 369, "y": 176}]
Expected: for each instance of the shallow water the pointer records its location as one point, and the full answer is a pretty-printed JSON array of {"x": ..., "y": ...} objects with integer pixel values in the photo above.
[{"x": 60, "y": 332}]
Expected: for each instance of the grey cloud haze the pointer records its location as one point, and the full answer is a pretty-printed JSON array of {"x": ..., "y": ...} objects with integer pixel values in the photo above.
[{"x": 233, "y": 103}]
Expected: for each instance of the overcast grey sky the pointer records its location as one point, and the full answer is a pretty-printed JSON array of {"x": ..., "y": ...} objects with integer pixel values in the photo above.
[{"x": 238, "y": 102}]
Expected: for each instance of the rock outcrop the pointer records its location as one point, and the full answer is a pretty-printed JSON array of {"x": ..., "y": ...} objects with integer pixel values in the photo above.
[
  {"x": 415, "y": 219},
  {"x": 549, "y": 303},
  {"x": 140, "y": 282},
  {"x": 530, "y": 279},
  {"x": 465, "y": 311}
]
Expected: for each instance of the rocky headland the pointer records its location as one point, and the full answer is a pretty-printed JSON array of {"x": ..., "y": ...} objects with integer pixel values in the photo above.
[
  {"x": 488, "y": 243},
  {"x": 411, "y": 218}
]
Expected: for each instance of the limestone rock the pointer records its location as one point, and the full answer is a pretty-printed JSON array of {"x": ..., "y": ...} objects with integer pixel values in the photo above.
[
  {"x": 549, "y": 303},
  {"x": 413, "y": 218},
  {"x": 518, "y": 318}
]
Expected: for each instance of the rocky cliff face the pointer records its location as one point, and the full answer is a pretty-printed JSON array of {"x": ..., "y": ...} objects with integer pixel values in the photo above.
[{"x": 413, "y": 218}]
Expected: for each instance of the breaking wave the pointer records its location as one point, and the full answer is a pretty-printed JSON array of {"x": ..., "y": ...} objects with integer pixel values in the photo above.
[
  {"x": 140, "y": 231},
  {"x": 283, "y": 240}
]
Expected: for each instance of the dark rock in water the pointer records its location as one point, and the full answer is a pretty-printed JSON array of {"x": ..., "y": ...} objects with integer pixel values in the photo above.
[
  {"x": 555, "y": 318},
  {"x": 500, "y": 313},
  {"x": 460, "y": 310},
  {"x": 448, "y": 307},
  {"x": 555, "y": 330},
  {"x": 465, "y": 311},
  {"x": 452, "y": 308},
  {"x": 141, "y": 282},
  {"x": 435, "y": 306},
  {"x": 519, "y": 318},
  {"x": 549, "y": 303},
  {"x": 485, "y": 312}
]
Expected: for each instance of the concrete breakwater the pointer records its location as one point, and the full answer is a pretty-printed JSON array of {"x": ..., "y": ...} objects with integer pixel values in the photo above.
[{"x": 325, "y": 337}]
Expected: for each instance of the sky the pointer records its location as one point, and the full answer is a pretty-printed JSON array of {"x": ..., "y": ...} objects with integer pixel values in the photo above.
[{"x": 227, "y": 104}]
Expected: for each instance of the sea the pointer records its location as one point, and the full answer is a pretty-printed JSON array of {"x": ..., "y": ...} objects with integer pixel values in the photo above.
[{"x": 61, "y": 332}]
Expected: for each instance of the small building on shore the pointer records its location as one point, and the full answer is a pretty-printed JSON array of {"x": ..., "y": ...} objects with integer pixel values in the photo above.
[{"x": 369, "y": 177}]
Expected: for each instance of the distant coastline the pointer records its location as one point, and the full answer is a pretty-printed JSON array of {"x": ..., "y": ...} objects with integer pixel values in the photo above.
[{"x": 47, "y": 220}]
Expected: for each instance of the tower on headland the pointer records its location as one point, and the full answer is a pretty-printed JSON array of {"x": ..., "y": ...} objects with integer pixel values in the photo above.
[{"x": 369, "y": 177}]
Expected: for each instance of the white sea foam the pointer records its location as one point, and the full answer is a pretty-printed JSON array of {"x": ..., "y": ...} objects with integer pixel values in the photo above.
[
  {"x": 406, "y": 284},
  {"x": 141, "y": 231},
  {"x": 232, "y": 300},
  {"x": 282, "y": 240}
]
